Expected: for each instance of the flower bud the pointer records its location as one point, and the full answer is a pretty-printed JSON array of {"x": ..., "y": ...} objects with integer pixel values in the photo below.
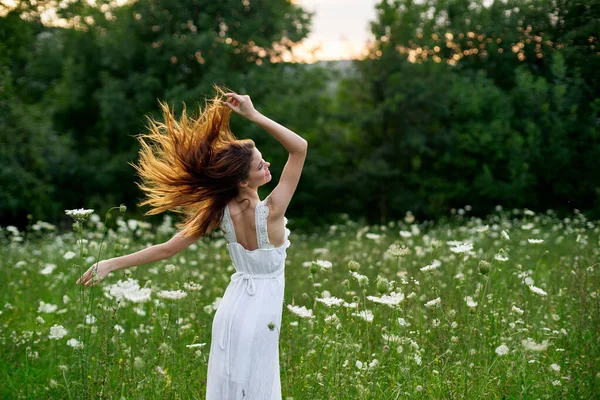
[
  {"x": 353, "y": 266},
  {"x": 484, "y": 267},
  {"x": 122, "y": 208},
  {"x": 381, "y": 284}
]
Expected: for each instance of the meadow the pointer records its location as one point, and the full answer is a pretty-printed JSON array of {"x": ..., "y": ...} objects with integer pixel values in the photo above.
[{"x": 504, "y": 307}]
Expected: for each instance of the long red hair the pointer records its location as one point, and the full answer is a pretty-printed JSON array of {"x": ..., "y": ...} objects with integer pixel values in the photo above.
[{"x": 195, "y": 165}]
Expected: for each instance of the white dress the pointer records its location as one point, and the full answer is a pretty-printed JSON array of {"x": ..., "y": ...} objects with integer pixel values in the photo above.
[{"x": 244, "y": 354}]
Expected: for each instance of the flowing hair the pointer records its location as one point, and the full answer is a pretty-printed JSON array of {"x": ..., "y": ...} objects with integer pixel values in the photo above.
[{"x": 195, "y": 165}]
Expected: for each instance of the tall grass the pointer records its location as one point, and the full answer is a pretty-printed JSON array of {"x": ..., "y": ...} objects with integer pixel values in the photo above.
[{"x": 411, "y": 311}]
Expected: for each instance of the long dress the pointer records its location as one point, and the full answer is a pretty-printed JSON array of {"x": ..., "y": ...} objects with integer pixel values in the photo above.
[{"x": 244, "y": 354}]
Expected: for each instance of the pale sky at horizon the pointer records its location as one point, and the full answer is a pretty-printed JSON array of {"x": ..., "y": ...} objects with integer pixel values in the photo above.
[{"x": 340, "y": 27}]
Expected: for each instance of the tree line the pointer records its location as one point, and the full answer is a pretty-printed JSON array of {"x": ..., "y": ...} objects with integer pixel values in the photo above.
[{"x": 456, "y": 104}]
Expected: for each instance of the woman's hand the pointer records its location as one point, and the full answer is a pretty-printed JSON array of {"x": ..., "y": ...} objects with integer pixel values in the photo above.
[
  {"x": 241, "y": 104},
  {"x": 96, "y": 273}
]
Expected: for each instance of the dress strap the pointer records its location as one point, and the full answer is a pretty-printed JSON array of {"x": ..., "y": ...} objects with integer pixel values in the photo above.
[
  {"x": 260, "y": 218},
  {"x": 227, "y": 226}
]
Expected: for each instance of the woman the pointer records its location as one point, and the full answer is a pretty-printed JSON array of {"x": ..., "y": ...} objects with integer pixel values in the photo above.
[{"x": 202, "y": 170}]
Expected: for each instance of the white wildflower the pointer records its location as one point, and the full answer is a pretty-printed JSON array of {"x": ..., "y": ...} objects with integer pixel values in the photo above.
[
  {"x": 500, "y": 257},
  {"x": 517, "y": 310},
  {"x": 48, "y": 268},
  {"x": 537, "y": 290},
  {"x": 69, "y": 255},
  {"x": 323, "y": 264},
  {"x": 57, "y": 332},
  {"x": 462, "y": 248},
  {"x": 191, "y": 286},
  {"x": 531, "y": 345},
  {"x": 434, "y": 265},
  {"x": 302, "y": 311},
  {"x": 191, "y": 346},
  {"x": 502, "y": 350},
  {"x": 393, "y": 299},
  {"x": 331, "y": 301},
  {"x": 79, "y": 214},
  {"x": 46, "y": 308},
  {"x": 535, "y": 241},
  {"x": 555, "y": 367},
  {"x": 433, "y": 303},
  {"x": 172, "y": 294},
  {"x": 367, "y": 315},
  {"x": 505, "y": 235},
  {"x": 470, "y": 302},
  {"x": 74, "y": 343},
  {"x": 403, "y": 322}
]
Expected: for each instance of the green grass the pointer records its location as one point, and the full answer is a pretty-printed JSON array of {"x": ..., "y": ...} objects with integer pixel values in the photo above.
[{"x": 446, "y": 351}]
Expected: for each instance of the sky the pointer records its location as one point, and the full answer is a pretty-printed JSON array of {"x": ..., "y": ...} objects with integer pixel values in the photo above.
[{"x": 339, "y": 27}]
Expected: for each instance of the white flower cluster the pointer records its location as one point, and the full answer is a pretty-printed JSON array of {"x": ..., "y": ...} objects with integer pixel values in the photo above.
[
  {"x": 128, "y": 290},
  {"x": 537, "y": 290},
  {"x": 434, "y": 265},
  {"x": 363, "y": 280},
  {"x": 462, "y": 248},
  {"x": 331, "y": 301},
  {"x": 393, "y": 299},
  {"x": 433, "y": 303},
  {"x": 172, "y": 294},
  {"x": 57, "y": 332},
  {"x": 79, "y": 214},
  {"x": 302, "y": 311},
  {"x": 502, "y": 350},
  {"x": 367, "y": 315},
  {"x": 323, "y": 264}
]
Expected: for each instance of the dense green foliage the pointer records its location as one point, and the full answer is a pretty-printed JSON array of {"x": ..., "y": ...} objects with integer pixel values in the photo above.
[{"x": 457, "y": 103}]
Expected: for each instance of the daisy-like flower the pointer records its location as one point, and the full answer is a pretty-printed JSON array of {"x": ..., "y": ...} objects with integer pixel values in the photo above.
[
  {"x": 79, "y": 214},
  {"x": 393, "y": 299},
  {"x": 323, "y": 264},
  {"x": 535, "y": 241},
  {"x": 537, "y": 290},
  {"x": 502, "y": 350},
  {"x": 302, "y": 311},
  {"x": 462, "y": 248},
  {"x": 434, "y": 265},
  {"x": 433, "y": 303},
  {"x": 172, "y": 294},
  {"x": 331, "y": 301},
  {"x": 57, "y": 332}
]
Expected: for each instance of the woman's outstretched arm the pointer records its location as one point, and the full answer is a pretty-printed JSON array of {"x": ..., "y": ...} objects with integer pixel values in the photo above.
[{"x": 148, "y": 255}]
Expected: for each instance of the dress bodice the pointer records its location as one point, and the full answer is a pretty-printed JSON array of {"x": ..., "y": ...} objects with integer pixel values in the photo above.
[{"x": 266, "y": 258}]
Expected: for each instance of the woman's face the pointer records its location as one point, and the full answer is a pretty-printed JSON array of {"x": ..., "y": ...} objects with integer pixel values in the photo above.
[{"x": 259, "y": 170}]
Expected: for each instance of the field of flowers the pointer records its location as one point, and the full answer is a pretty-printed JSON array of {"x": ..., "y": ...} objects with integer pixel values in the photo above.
[{"x": 461, "y": 308}]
